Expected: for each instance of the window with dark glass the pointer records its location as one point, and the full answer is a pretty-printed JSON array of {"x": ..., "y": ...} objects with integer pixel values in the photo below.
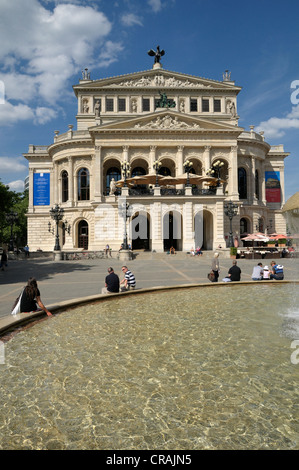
[
  {"x": 205, "y": 105},
  {"x": 243, "y": 226},
  {"x": 65, "y": 186},
  {"x": 112, "y": 172},
  {"x": 217, "y": 106},
  {"x": 121, "y": 104},
  {"x": 193, "y": 105},
  {"x": 257, "y": 185},
  {"x": 83, "y": 185},
  {"x": 164, "y": 171},
  {"x": 109, "y": 104},
  {"x": 145, "y": 104},
  {"x": 242, "y": 183}
]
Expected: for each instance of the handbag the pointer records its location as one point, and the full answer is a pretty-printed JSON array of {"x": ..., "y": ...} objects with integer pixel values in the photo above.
[
  {"x": 16, "y": 308},
  {"x": 211, "y": 276}
]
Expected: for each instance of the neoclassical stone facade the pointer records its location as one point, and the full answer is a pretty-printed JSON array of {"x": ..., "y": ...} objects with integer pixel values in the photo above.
[{"x": 119, "y": 120}]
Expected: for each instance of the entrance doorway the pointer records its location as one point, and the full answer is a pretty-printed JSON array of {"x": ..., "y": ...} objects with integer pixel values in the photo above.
[
  {"x": 83, "y": 235},
  {"x": 140, "y": 231},
  {"x": 172, "y": 231}
]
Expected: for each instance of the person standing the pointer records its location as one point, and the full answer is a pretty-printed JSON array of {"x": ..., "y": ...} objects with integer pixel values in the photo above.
[
  {"x": 3, "y": 260},
  {"x": 26, "y": 248},
  {"x": 257, "y": 273},
  {"x": 234, "y": 272},
  {"x": 215, "y": 267},
  {"x": 129, "y": 280},
  {"x": 111, "y": 282}
]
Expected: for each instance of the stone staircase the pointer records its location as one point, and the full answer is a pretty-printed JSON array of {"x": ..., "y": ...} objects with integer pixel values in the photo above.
[{"x": 182, "y": 255}]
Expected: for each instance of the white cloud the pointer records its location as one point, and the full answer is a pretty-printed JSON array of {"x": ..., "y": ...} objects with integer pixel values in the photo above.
[
  {"x": 276, "y": 127},
  {"x": 11, "y": 164},
  {"x": 156, "y": 5},
  {"x": 10, "y": 114},
  {"x": 41, "y": 49},
  {"x": 109, "y": 53},
  {"x": 17, "y": 186},
  {"x": 130, "y": 19}
]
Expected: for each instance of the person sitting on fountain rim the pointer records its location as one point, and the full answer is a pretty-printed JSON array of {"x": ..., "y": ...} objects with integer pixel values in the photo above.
[
  {"x": 111, "y": 282},
  {"x": 277, "y": 271},
  {"x": 129, "y": 280},
  {"x": 31, "y": 300},
  {"x": 257, "y": 273}
]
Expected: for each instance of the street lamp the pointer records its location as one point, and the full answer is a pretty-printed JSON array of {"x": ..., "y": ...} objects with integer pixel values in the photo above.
[
  {"x": 187, "y": 166},
  {"x": 157, "y": 165},
  {"x": 125, "y": 213},
  {"x": 11, "y": 218},
  {"x": 231, "y": 210},
  {"x": 57, "y": 214},
  {"x": 126, "y": 171},
  {"x": 215, "y": 170}
]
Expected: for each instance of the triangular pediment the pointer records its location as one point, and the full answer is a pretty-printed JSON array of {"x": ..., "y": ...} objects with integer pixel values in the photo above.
[
  {"x": 158, "y": 79},
  {"x": 166, "y": 120}
]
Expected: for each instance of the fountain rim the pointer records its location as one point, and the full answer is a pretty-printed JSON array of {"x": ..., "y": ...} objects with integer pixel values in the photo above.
[{"x": 11, "y": 323}]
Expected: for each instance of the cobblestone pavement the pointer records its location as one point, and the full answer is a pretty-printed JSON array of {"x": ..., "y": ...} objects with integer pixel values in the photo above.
[{"x": 65, "y": 280}]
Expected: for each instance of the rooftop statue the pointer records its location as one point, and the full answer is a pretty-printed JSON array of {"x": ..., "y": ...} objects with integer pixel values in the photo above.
[
  {"x": 157, "y": 54},
  {"x": 164, "y": 102}
]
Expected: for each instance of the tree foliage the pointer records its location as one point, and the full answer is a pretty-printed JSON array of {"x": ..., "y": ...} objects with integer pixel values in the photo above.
[{"x": 10, "y": 201}]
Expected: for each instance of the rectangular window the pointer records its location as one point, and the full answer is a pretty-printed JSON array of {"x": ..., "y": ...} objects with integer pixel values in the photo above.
[
  {"x": 217, "y": 106},
  {"x": 205, "y": 105},
  {"x": 109, "y": 104},
  {"x": 145, "y": 104},
  {"x": 121, "y": 104},
  {"x": 193, "y": 105}
]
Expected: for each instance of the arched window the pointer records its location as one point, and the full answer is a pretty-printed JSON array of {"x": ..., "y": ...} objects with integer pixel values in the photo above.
[
  {"x": 65, "y": 186},
  {"x": 257, "y": 185},
  {"x": 243, "y": 226},
  {"x": 112, "y": 172},
  {"x": 164, "y": 171},
  {"x": 242, "y": 183},
  {"x": 83, "y": 184},
  {"x": 138, "y": 171}
]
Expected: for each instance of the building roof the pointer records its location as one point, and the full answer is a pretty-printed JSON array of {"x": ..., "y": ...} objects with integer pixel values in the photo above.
[{"x": 292, "y": 203}]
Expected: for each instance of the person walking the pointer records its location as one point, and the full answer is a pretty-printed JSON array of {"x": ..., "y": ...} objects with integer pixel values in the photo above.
[
  {"x": 111, "y": 282},
  {"x": 129, "y": 280},
  {"x": 234, "y": 273},
  {"x": 257, "y": 273},
  {"x": 3, "y": 262},
  {"x": 31, "y": 300},
  {"x": 215, "y": 267}
]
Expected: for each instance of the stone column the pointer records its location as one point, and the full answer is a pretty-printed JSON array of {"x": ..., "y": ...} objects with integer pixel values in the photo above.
[
  {"x": 207, "y": 158},
  {"x": 98, "y": 174},
  {"x": 156, "y": 227},
  {"x": 180, "y": 160},
  {"x": 30, "y": 208},
  {"x": 152, "y": 158},
  {"x": 233, "y": 173},
  {"x": 71, "y": 181},
  {"x": 252, "y": 188},
  {"x": 188, "y": 231}
]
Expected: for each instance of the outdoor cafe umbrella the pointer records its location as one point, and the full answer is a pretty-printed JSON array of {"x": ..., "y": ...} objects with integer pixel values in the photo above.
[
  {"x": 171, "y": 180},
  {"x": 120, "y": 183},
  {"x": 193, "y": 178},
  {"x": 277, "y": 236},
  {"x": 150, "y": 178},
  {"x": 255, "y": 237}
]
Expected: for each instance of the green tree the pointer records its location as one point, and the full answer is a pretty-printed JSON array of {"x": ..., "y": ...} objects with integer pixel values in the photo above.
[{"x": 10, "y": 201}]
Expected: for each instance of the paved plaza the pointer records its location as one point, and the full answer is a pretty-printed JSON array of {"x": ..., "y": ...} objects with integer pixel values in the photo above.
[{"x": 67, "y": 280}]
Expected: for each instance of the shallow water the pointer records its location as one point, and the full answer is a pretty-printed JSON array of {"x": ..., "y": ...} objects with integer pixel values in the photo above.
[{"x": 188, "y": 369}]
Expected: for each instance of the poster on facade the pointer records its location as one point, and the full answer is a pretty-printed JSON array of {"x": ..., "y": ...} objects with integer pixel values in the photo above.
[
  {"x": 41, "y": 189},
  {"x": 273, "y": 189}
]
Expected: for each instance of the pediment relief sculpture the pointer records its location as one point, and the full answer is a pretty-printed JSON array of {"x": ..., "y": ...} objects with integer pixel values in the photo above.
[
  {"x": 167, "y": 122},
  {"x": 160, "y": 80}
]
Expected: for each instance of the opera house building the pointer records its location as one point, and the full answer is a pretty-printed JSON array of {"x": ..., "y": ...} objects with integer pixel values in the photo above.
[{"x": 169, "y": 147}]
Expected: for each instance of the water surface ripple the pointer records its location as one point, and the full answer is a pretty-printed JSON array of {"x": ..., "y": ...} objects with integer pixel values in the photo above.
[{"x": 186, "y": 369}]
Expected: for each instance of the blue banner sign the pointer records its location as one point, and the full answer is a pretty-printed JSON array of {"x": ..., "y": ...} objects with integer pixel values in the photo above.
[{"x": 41, "y": 189}]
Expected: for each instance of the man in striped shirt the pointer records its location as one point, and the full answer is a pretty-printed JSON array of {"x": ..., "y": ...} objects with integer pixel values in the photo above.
[{"x": 129, "y": 279}]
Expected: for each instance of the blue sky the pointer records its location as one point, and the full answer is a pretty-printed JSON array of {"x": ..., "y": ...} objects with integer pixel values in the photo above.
[{"x": 45, "y": 44}]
